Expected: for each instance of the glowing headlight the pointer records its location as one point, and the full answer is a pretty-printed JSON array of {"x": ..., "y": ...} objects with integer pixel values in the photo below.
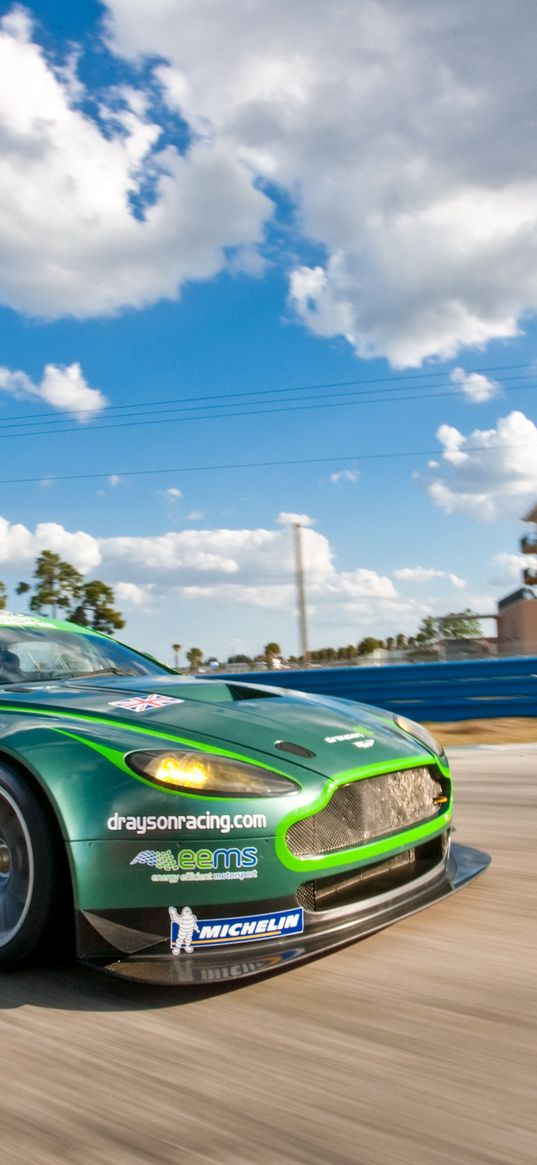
[
  {"x": 212, "y": 776},
  {"x": 419, "y": 733}
]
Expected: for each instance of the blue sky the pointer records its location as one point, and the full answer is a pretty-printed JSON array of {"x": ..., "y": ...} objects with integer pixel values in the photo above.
[{"x": 231, "y": 236}]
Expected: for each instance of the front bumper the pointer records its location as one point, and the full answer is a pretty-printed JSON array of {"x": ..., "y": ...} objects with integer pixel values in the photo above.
[{"x": 142, "y": 952}]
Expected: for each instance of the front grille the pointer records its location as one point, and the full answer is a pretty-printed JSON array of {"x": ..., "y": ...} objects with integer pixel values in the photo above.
[
  {"x": 379, "y": 878},
  {"x": 364, "y": 810}
]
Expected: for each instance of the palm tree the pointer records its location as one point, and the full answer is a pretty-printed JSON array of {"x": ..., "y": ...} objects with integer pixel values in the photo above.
[
  {"x": 195, "y": 657},
  {"x": 271, "y": 651},
  {"x": 176, "y": 647}
]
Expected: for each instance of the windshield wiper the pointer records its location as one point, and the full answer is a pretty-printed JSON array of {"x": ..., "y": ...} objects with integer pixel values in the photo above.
[
  {"x": 84, "y": 675},
  {"x": 47, "y": 676}
]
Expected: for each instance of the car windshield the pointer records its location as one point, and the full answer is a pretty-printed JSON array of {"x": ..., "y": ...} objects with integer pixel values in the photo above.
[{"x": 45, "y": 653}]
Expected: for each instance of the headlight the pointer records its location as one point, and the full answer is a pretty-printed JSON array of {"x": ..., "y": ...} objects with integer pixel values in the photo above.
[
  {"x": 419, "y": 733},
  {"x": 212, "y": 776}
]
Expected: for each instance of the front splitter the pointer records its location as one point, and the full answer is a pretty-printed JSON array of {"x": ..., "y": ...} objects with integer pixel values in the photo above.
[{"x": 323, "y": 932}]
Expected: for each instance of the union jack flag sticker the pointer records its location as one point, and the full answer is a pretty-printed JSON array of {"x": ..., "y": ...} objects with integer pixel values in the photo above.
[{"x": 144, "y": 703}]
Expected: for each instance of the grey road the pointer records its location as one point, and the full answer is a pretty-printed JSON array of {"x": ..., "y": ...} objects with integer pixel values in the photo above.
[{"x": 416, "y": 1046}]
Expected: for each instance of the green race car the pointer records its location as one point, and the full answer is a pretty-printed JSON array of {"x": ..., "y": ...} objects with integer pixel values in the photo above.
[{"x": 184, "y": 830}]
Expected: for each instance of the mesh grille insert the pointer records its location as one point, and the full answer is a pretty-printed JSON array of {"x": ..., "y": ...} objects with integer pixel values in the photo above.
[
  {"x": 364, "y": 810},
  {"x": 355, "y": 886}
]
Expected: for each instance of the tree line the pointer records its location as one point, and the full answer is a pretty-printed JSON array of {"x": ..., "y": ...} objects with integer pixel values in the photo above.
[{"x": 456, "y": 625}]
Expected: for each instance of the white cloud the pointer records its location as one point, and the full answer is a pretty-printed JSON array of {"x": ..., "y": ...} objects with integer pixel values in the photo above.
[
  {"x": 491, "y": 473},
  {"x": 195, "y": 516},
  {"x": 16, "y": 545},
  {"x": 357, "y": 584},
  {"x": 457, "y": 582},
  {"x": 417, "y": 574},
  {"x": 425, "y": 574},
  {"x": 173, "y": 493},
  {"x": 78, "y": 548},
  {"x": 234, "y": 568},
  {"x": 405, "y": 148},
  {"x": 256, "y": 556},
  {"x": 246, "y": 571},
  {"x": 260, "y": 560},
  {"x": 19, "y": 546},
  {"x": 344, "y": 475},
  {"x": 114, "y": 479},
  {"x": 509, "y": 568},
  {"x": 452, "y": 440},
  {"x": 248, "y": 261},
  {"x": 172, "y": 553},
  {"x": 254, "y": 566},
  {"x": 286, "y": 519},
  {"x": 132, "y": 595},
  {"x": 475, "y": 386},
  {"x": 274, "y": 598},
  {"x": 70, "y": 242},
  {"x": 510, "y": 565},
  {"x": 63, "y": 388}
]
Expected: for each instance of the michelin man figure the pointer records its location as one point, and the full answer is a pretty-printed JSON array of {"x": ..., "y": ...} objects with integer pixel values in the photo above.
[{"x": 187, "y": 923}]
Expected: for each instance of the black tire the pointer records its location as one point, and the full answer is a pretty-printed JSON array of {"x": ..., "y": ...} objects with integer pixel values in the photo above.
[{"x": 29, "y": 873}]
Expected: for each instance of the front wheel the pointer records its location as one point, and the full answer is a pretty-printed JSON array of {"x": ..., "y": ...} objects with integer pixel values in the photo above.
[{"x": 28, "y": 872}]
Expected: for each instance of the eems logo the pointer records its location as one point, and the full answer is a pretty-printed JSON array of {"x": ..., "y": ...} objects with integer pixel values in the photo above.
[
  {"x": 201, "y": 865},
  {"x": 218, "y": 859},
  {"x": 189, "y": 860}
]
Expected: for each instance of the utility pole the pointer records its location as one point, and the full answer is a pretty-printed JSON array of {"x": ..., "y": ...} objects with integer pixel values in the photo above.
[{"x": 301, "y": 593}]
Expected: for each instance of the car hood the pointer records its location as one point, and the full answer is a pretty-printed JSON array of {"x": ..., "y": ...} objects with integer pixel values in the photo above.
[{"x": 319, "y": 733}]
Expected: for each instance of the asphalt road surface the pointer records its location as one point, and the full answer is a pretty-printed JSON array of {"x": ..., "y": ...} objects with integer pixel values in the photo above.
[{"x": 417, "y": 1045}]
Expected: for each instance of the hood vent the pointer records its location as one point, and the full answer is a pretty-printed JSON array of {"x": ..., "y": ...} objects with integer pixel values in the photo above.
[{"x": 295, "y": 749}]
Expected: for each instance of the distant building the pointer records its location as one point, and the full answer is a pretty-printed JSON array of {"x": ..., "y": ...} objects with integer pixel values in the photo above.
[
  {"x": 470, "y": 648},
  {"x": 517, "y": 612}
]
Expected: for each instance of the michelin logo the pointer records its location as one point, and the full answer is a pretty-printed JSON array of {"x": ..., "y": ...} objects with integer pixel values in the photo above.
[
  {"x": 188, "y": 932},
  {"x": 184, "y": 926}
]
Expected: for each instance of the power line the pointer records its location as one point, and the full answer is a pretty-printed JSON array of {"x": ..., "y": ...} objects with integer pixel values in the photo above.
[
  {"x": 179, "y": 415},
  {"x": 56, "y": 420},
  {"x": 348, "y": 457},
  {"x": 388, "y": 381}
]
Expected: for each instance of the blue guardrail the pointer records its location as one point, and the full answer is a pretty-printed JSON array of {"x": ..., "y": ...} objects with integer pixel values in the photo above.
[{"x": 424, "y": 691}]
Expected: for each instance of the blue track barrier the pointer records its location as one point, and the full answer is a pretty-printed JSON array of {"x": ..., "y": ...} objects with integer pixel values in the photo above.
[{"x": 424, "y": 691}]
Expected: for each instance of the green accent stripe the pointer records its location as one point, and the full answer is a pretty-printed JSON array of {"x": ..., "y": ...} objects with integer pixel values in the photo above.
[
  {"x": 362, "y": 853},
  {"x": 425, "y": 759},
  {"x": 117, "y": 757},
  {"x": 214, "y": 749}
]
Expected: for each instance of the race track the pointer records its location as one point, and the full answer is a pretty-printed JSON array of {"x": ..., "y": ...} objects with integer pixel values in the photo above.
[{"x": 417, "y": 1046}]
